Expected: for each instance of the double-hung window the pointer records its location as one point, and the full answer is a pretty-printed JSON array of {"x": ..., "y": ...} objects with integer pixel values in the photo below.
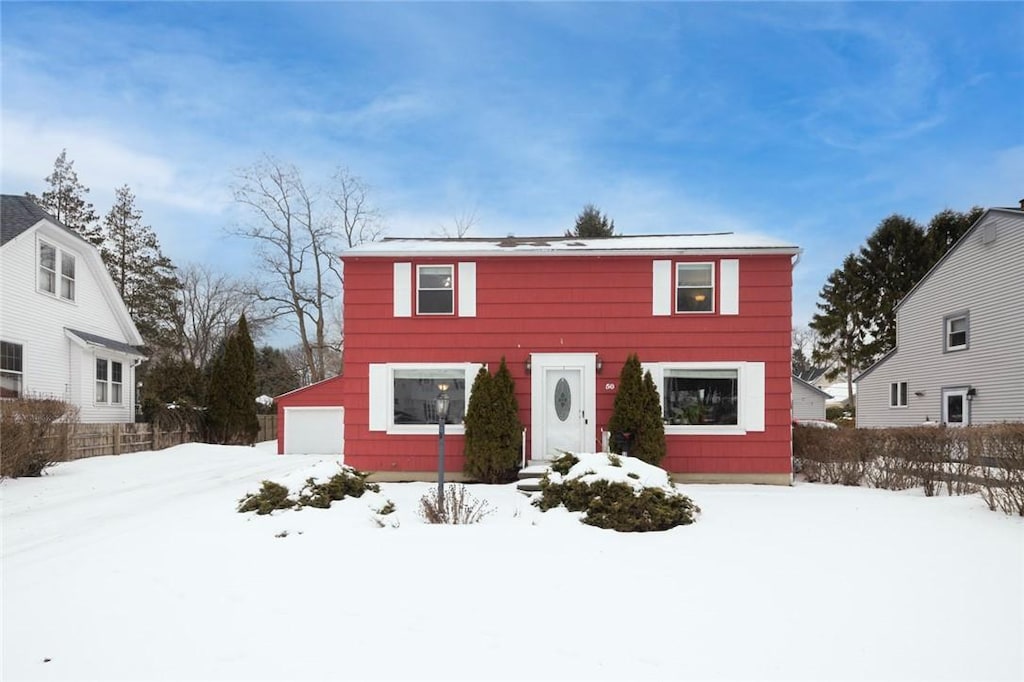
[
  {"x": 435, "y": 290},
  {"x": 695, "y": 287},
  {"x": 957, "y": 331},
  {"x": 59, "y": 283},
  {"x": 898, "y": 394},
  {"x": 11, "y": 373},
  {"x": 109, "y": 381}
]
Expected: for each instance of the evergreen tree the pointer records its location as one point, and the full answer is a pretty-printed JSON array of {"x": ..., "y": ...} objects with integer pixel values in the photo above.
[
  {"x": 842, "y": 332},
  {"x": 244, "y": 413},
  {"x": 274, "y": 373},
  {"x": 220, "y": 389},
  {"x": 636, "y": 423},
  {"x": 891, "y": 263},
  {"x": 493, "y": 429},
  {"x": 592, "y": 224},
  {"x": 144, "y": 277},
  {"x": 65, "y": 200},
  {"x": 946, "y": 227}
]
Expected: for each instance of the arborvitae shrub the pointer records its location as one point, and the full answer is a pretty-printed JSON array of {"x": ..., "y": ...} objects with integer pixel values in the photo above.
[
  {"x": 636, "y": 426},
  {"x": 493, "y": 439}
]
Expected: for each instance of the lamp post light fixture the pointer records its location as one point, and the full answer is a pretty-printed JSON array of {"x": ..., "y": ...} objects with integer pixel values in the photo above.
[{"x": 441, "y": 402}]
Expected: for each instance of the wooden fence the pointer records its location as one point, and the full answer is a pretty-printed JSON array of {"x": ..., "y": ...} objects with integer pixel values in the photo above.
[{"x": 98, "y": 440}]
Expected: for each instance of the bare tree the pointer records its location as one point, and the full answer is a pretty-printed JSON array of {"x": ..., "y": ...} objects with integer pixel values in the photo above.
[
  {"x": 209, "y": 305},
  {"x": 298, "y": 233},
  {"x": 461, "y": 225},
  {"x": 357, "y": 220}
]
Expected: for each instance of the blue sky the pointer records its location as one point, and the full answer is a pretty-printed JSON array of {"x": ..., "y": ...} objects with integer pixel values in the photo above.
[{"x": 809, "y": 122}]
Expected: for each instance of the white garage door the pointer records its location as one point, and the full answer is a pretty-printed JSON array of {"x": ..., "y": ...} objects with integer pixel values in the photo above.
[{"x": 314, "y": 430}]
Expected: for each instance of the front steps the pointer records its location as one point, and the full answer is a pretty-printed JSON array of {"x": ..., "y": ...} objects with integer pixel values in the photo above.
[{"x": 529, "y": 477}]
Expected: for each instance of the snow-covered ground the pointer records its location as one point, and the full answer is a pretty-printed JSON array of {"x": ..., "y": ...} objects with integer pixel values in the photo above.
[{"x": 138, "y": 567}]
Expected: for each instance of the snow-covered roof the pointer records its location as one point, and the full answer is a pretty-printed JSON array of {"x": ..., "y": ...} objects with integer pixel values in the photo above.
[{"x": 708, "y": 243}]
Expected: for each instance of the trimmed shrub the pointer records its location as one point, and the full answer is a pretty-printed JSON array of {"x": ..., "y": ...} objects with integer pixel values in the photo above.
[
  {"x": 493, "y": 439},
  {"x": 636, "y": 425},
  {"x": 35, "y": 433}
]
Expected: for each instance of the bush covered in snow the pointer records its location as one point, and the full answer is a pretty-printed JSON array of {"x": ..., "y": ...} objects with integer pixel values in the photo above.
[
  {"x": 319, "y": 494},
  {"x": 614, "y": 492}
]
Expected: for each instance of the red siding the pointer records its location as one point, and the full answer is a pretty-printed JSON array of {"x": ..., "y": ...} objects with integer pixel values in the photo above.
[{"x": 588, "y": 304}]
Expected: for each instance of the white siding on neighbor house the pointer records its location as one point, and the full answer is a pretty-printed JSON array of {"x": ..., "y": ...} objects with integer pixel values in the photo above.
[
  {"x": 986, "y": 279},
  {"x": 54, "y": 365},
  {"x": 807, "y": 403}
]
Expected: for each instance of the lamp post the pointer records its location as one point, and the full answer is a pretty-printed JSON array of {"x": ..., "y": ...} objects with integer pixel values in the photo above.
[{"x": 441, "y": 402}]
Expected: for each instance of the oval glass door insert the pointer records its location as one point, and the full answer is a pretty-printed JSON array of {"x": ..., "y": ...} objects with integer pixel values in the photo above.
[{"x": 563, "y": 399}]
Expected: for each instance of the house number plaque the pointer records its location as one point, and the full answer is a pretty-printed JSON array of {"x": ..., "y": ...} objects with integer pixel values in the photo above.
[{"x": 563, "y": 399}]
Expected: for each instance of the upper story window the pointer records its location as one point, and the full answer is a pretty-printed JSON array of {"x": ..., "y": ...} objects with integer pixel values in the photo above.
[
  {"x": 435, "y": 290},
  {"x": 11, "y": 374},
  {"x": 51, "y": 280},
  {"x": 956, "y": 331},
  {"x": 898, "y": 394},
  {"x": 109, "y": 382},
  {"x": 695, "y": 287}
]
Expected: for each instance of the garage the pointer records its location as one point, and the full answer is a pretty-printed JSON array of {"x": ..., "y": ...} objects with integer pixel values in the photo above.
[{"x": 314, "y": 430}]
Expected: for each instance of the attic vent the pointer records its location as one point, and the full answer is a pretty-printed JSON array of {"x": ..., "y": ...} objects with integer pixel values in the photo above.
[{"x": 988, "y": 235}]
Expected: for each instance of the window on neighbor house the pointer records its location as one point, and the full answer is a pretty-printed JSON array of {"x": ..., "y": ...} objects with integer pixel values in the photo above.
[
  {"x": 957, "y": 331},
  {"x": 109, "y": 381},
  {"x": 898, "y": 394},
  {"x": 48, "y": 274},
  {"x": 695, "y": 287},
  {"x": 435, "y": 289},
  {"x": 11, "y": 374},
  {"x": 415, "y": 392},
  {"x": 708, "y": 397}
]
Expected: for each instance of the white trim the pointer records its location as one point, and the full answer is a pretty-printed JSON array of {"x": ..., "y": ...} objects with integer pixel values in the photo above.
[
  {"x": 661, "y": 293},
  {"x": 403, "y": 290},
  {"x": 729, "y": 276},
  {"x": 749, "y": 399},
  {"x": 539, "y": 362},
  {"x": 466, "y": 285},
  {"x": 382, "y": 396},
  {"x": 675, "y": 289},
  {"x": 906, "y": 395}
]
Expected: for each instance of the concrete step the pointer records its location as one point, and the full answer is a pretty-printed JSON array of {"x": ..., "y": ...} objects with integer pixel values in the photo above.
[
  {"x": 534, "y": 471},
  {"x": 528, "y": 486}
]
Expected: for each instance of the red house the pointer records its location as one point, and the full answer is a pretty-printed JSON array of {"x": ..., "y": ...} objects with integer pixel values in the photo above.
[{"x": 708, "y": 314}]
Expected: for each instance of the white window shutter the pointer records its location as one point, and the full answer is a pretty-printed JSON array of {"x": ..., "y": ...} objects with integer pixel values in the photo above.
[
  {"x": 467, "y": 289},
  {"x": 752, "y": 385},
  {"x": 730, "y": 287},
  {"x": 380, "y": 396},
  {"x": 403, "y": 290},
  {"x": 662, "y": 287}
]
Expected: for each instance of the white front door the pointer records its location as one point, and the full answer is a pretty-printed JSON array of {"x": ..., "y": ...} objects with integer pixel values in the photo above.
[
  {"x": 956, "y": 409},
  {"x": 562, "y": 404},
  {"x": 563, "y": 411}
]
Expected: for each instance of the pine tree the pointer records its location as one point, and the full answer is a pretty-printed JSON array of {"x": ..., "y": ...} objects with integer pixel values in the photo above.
[
  {"x": 945, "y": 229},
  {"x": 144, "y": 277},
  {"x": 219, "y": 393},
  {"x": 842, "y": 332},
  {"x": 274, "y": 373},
  {"x": 65, "y": 200},
  {"x": 245, "y": 424},
  {"x": 493, "y": 429},
  {"x": 592, "y": 224},
  {"x": 891, "y": 263}
]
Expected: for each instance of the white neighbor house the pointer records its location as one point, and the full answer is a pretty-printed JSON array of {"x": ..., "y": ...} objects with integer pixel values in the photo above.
[
  {"x": 959, "y": 356},
  {"x": 808, "y": 401},
  {"x": 64, "y": 330}
]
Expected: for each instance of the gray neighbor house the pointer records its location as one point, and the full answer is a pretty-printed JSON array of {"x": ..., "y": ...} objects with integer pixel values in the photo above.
[{"x": 959, "y": 355}]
